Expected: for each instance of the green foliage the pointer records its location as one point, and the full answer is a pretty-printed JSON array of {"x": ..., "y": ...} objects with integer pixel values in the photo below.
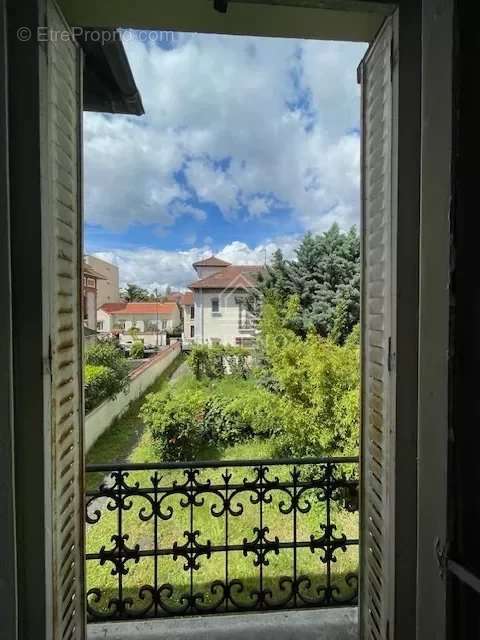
[
  {"x": 325, "y": 276},
  {"x": 318, "y": 382},
  {"x": 137, "y": 350},
  {"x": 220, "y": 413},
  {"x": 98, "y": 381},
  {"x": 134, "y": 293},
  {"x": 176, "y": 421},
  {"x": 106, "y": 373},
  {"x": 217, "y": 360},
  {"x": 133, "y": 331}
]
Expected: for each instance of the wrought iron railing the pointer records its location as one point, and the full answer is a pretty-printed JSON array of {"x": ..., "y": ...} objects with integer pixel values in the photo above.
[{"x": 204, "y": 537}]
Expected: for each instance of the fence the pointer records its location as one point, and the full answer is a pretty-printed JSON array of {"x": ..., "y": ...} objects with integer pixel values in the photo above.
[{"x": 196, "y": 538}]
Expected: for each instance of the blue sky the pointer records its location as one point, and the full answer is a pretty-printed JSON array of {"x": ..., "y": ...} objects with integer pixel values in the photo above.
[{"x": 246, "y": 144}]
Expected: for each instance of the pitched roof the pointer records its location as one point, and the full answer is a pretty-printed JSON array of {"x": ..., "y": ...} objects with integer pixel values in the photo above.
[
  {"x": 213, "y": 261},
  {"x": 187, "y": 298},
  {"x": 143, "y": 308},
  {"x": 232, "y": 277}
]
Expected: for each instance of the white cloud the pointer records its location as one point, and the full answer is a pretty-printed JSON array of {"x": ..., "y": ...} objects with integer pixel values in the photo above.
[
  {"x": 158, "y": 268},
  {"x": 250, "y": 122}
]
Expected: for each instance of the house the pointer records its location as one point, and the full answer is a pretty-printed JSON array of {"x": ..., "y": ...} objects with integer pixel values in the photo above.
[
  {"x": 420, "y": 475},
  {"x": 150, "y": 322},
  {"x": 108, "y": 287},
  {"x": 188, "y": 317},
  {"x": 218, "y": 313},
  {"x": 91, "y": 282}
]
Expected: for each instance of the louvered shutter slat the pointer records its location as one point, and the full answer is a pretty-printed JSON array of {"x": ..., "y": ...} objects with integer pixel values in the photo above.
[
  {"x": 377, "y": 381},
  {"x": 64, "y": 122}
]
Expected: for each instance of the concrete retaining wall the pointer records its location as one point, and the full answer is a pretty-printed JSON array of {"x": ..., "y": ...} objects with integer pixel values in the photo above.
[{"x": 98, "y": 420}]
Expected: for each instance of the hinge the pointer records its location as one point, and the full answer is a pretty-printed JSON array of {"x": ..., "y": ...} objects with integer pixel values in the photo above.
[
  {"x": 393, "y": 59},
  {"x": 49, "y": 357},
  {"x": 441, "y": 553},
  {"x": 391, "y": 356}
]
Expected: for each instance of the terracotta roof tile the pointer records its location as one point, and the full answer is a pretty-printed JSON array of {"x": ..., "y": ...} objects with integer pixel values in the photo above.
[
  {"x": 162, "y": 308},
  {"x": 232, "y": 277},
  {"x": 213, "y": 261}
]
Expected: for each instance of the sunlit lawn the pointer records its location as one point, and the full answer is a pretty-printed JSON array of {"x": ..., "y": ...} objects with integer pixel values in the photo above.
[{"x": 214, "y": 529}]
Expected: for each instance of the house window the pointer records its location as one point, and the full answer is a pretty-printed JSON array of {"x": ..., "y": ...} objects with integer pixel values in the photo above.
[
  {"x": 215, "y": 305},
  {"x": 192, "y": 331},
  {"x": 192, "y": 312},
  {"x": 245, "y": 342},
  {"x": 119, "y": 325},
  {"x": 245, "y": 320},
  {"x": 100, "y": 325},
  {"x": 150, "y": 326},
  {"x": 164, "y": 324}
]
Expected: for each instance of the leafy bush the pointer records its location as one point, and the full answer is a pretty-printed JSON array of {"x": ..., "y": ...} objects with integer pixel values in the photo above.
[
  {"x": 97, "y": 382},
  {"x": 106, "y": 373},
  {"x": 176, "y": 421},
  {"x": 137, "y": 350},
  {"x": 217, "y": 360},
  {"x": 193, "y": 414},
  {"x": 318, "y": 382}
]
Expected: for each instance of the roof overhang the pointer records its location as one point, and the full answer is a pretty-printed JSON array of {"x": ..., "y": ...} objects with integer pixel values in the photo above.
[
  {"x": 108, "y": 82},
  {"x": 356, "y": 21}
]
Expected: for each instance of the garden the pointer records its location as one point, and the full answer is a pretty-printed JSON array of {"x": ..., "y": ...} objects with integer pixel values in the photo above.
[{"x": 295, "y": 394}]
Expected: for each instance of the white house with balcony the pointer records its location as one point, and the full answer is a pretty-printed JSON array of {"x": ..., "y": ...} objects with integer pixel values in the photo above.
[
  {"x": 150, "y": 322},
  {"x": 216, "y": 312}
]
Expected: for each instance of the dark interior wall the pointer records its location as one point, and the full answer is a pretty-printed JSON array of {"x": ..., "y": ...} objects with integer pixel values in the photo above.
[
  {"x": 464, "y": 481},
  {"x": 26, "y": 146},
  {"x": 407, "y": 55},
  {"x": 8, "y": 587}
]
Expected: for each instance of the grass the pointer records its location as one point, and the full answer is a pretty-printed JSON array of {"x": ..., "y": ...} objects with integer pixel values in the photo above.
[
  {"x": 121, "y": 440},
  {"x": 172, "y": 530}
]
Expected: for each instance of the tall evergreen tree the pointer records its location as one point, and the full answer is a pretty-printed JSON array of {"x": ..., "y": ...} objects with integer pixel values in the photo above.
[{"x": 325, "y": 277}]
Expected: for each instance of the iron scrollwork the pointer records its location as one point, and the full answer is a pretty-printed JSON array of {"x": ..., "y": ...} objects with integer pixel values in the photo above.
[{"x": 310, "y": 497}]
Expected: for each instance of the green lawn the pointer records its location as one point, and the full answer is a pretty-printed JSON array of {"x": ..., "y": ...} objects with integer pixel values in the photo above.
[{"x": 172, "y": 530}]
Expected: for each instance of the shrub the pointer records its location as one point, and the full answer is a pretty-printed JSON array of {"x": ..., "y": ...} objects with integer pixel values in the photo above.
[
  {"x": 137, "y": 350},
  {"x": 318, "y": 382},
  {"x": 217, "y": 360},
  {"x": 98, "y": 381},
  {"x": 193, "y": 414},
  {"x": 106, "y": 373},
  {"x": 176, "y": 421}
]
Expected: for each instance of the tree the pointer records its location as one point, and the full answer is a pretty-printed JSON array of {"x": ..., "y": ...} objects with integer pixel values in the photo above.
[
  {"x": 134, "y": 293},
  {"x": 325, "y": 276}
]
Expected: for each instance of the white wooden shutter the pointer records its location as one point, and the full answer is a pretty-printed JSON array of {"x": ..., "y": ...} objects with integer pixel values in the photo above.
[
  {"x": 64, "y": 274},
  {"x": 378, "y": 342}
]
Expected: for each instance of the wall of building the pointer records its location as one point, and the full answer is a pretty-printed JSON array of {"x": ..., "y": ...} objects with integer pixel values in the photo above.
[
  {"x": 140, "y": 321},
  {"x": 90, "y": 310},
  {"x": 98, "y": 421},
  {"x": 205, "y": 272},
  {"x": 222, "y": 326},
  {"x": 188, "y": 322},
  {"x": 108, "y": 289}
]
